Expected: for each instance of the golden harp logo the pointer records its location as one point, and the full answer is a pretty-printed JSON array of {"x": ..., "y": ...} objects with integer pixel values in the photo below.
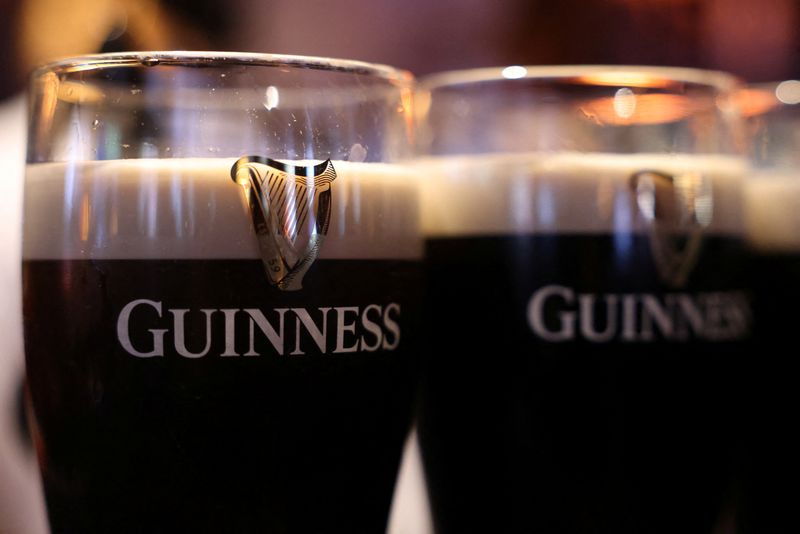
[
  {"x": 677, "y": 210},
  {"x": 291, "y": 210}
]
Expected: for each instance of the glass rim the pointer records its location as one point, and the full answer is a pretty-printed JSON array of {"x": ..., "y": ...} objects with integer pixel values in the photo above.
[
  {"x": 588, "y": 75},
  {"x": 178, "y": 58}
]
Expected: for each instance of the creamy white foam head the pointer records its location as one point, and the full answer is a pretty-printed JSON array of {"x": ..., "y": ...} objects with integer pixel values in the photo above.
[
  {"x": 773, "y": 211},
  {"x": 190, "y": 208},
  {"x": 568, "y": 192}
]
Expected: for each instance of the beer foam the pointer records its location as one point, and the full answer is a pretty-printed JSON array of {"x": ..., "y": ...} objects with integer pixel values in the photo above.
[
  {"x": 567, "y": 192},
  {"x": 191, "y": 209},
  {"x": 772, "y": 214}
]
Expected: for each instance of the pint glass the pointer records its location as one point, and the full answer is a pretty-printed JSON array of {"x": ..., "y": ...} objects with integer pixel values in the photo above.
[
  {"x": 221, "y": 279},
  {"x": 773, "y": 234},
  {"x": 586, "y": 305}
]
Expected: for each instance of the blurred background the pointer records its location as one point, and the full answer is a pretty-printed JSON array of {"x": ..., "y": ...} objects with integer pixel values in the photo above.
[{"x": 755, "y": 39}]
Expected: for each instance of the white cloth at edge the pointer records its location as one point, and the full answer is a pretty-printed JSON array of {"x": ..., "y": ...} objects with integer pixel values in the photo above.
[{"x": 21, "y": 502}]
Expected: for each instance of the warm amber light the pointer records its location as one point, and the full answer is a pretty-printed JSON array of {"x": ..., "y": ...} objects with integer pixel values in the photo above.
[
  {"x": 243, "y": 178},
  {"x": 86, "y": 217},
  {"x": 75, "y": 93},
  {"x": 407, "y": 109},
  {"x": 421, "y": 106},
  {"x": 625, "y": 78},
  {"x": 53, "y": 28},
  {"x": 46, "y": 86},
  {"x": 627, "y": 108},
  {"x": 752, "y": 102}
]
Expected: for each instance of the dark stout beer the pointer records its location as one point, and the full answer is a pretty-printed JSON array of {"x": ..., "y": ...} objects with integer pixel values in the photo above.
[
  {"x": 176, "y": 389},
  {"x": 773, "y": 466},
  {"x": 585, "y": 316}
]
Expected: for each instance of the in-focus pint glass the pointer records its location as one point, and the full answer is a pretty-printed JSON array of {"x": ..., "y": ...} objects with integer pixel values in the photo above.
[
  {"x": 586, "y": 305},
  {"x": 221, "y": 279},
  {"x": 773, "y": 234}
]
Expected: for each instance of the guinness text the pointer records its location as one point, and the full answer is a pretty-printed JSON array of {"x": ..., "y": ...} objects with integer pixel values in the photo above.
[
  {"x": 146, "y": 329},
  {"x": 558, "y": 313}
]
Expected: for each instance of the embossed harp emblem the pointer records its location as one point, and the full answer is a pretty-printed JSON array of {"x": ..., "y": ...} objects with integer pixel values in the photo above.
[
  {"x": 291, "y": 210},
  {"x": 677, "y": 209}
]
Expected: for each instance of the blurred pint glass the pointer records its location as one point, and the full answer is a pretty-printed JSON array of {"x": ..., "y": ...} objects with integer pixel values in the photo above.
[
  {"x": 586, "y": 306},
  {"x": 221, "y": 278},
  {"x": 773, "y": 234}
]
